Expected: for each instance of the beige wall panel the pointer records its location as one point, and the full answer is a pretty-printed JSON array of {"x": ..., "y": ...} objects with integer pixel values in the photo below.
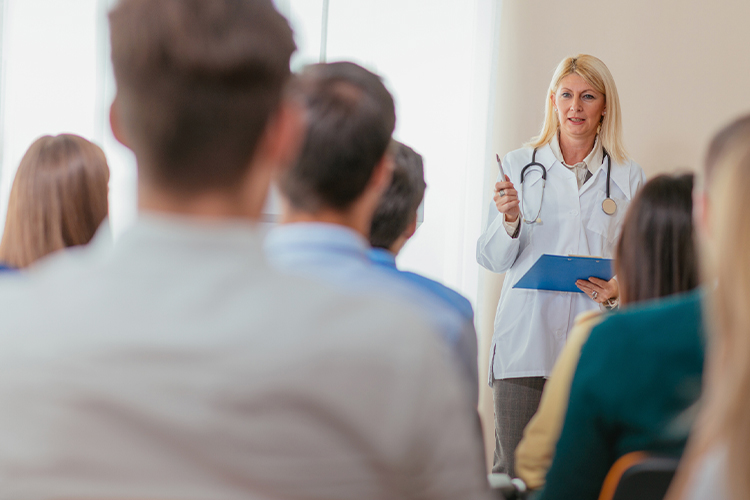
[{"x": 682, "y": 70}]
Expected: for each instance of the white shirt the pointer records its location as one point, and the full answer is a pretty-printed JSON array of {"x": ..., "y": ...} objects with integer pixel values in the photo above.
[
  {"x": 583, "y": 169},
  {"x": 531, "y": 326},
  {"x": 177, "y": 364}
]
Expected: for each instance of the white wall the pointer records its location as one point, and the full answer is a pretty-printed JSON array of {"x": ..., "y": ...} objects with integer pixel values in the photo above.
[{"x": 681, "y": 71}]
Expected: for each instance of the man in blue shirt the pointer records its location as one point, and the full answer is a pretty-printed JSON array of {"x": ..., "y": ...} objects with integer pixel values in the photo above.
[
  {"x": 332, "y": 191},
  {"x": 395, "y": 221}
]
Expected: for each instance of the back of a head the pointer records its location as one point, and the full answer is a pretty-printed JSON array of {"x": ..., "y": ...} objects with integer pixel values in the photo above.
[
  {"x": 58, "y": 199},
  {"x": 197, "y": 82},
  {"x": 399, "y": 203},
  {"x": 351, "y": 117},
  {"x": 656, "y": 255},
  {"x": 728, "y": 140}
]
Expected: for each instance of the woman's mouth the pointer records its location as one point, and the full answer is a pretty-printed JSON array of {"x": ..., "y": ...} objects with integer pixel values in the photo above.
[{"x": 577, "y": 120}]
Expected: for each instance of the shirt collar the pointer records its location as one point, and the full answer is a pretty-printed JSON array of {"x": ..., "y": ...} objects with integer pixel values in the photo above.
[
  {"x": 593, "y": 161},
  {"x": 620, "y": 171},
  {"x": 382, "y": 257},
  {"x": 620, "y": 176},
  {"x": 166, "y": 229},
  {"x": 315, "y": 236}
]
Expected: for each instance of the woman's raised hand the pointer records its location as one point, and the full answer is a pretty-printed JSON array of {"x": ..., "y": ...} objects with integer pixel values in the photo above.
[{"x": 506, "y": 200}]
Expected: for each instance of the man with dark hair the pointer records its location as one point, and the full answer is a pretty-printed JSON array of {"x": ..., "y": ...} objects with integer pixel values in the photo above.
[
  {"x": 176, "y": 364},
  {"x": 332, "y": 191},
  {"x": 395, "y": 221}
]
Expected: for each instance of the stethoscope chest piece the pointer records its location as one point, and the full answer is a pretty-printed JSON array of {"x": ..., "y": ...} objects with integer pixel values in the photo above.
[{"x": 609, "y": 206}]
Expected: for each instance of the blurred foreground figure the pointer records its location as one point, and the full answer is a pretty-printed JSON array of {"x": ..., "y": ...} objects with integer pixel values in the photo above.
[
  {"x": 718, "y": 455},
  {"x": 176, "y": 364},
  {"x": 58, "y": 200},
  {"x": 625, "y": 381}
]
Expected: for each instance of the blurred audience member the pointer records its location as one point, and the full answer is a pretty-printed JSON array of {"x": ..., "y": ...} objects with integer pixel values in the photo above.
[
  {"x": 58, "y": 199},
  {"x": 655, "y": 257},
  {"x": 395, "y": 221},
  {"x": 177, "y": 364},
  {"x": 331, "y": 194},
  {"x": 640, "y": 369},
  {"x": 718, "y": 456}
]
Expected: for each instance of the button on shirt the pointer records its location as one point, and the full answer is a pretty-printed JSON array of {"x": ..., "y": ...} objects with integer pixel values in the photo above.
[{"x": 338, "y": 255}]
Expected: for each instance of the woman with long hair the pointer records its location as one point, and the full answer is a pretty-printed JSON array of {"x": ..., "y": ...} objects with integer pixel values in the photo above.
[
  {"x": 656, "y": 257},
  {"x": 58, "y": 200}
]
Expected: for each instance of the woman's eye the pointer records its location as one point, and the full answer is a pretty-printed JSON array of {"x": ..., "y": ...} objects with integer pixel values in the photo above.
[
  {"x": 565, "y": 95},
  {"x": 589, "y": 97}
]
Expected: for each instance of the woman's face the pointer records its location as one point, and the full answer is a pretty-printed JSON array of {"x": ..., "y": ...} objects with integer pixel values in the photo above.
[{"x": 579, "y": 108}]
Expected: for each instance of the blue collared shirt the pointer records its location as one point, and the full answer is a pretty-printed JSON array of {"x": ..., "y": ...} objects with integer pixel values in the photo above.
[
  {"x": 338, "y": 255},
  {"x": 387, "y": 261}
]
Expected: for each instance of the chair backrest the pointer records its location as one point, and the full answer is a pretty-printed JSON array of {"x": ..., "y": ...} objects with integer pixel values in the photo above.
[{"x": 639, "y": 476}]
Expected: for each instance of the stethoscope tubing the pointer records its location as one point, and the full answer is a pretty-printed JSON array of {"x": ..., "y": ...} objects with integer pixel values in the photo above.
[{"x": 535, "y": 163}]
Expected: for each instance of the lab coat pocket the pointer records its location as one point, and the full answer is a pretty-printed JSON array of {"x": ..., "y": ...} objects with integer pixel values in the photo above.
[{"x": 606, "y": 227}]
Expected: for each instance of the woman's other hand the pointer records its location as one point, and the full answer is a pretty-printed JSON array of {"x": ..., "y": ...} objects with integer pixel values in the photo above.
[
  {"x": 506, "y": 200},
  {"x": 599, "y": 290}
]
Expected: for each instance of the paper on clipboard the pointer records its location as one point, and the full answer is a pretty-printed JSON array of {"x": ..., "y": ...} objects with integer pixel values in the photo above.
[{"x": 559, "y": 273}]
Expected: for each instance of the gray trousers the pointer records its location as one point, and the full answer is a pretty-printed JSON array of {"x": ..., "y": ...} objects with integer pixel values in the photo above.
[{"x": 516, "y": 401}]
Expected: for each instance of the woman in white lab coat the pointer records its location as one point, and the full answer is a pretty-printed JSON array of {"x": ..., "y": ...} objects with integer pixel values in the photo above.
[{"x": 578, "y": 210}]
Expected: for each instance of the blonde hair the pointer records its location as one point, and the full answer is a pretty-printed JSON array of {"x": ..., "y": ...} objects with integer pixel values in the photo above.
[
  {"x": 725, "y": 414},
  {"x": 596, "y": 74},
  {"x": 58, "y": 199}
]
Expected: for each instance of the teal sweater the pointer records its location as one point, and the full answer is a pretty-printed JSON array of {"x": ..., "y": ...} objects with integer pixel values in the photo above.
[{"x": 639, "y": 371}]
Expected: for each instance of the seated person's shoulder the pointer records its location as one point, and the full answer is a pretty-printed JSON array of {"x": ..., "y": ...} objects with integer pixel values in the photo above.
[
  {"x": 421, "y": 285},
  {"x": 443, "y": 292},
  {"x": 322, "y": 322},
  {"x": 633, "y": 348},
  {"x": 643, "y": 323}
]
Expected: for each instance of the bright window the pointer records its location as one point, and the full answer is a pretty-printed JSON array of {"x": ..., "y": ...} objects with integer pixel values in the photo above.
[{"x": 434, "y": 55}]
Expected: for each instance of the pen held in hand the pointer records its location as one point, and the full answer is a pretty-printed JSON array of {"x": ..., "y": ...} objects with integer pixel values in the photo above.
[{"x": 500, "y": 166}]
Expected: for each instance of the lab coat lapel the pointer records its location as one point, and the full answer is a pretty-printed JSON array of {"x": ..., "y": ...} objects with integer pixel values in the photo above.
[
  {"x": 620, "y": 177},
  {"x": 546, "y": 157},
  {"x": 602, "y": 171}
]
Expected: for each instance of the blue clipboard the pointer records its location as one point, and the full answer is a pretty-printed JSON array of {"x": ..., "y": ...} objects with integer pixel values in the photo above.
[{"x": 558, "y": 273}]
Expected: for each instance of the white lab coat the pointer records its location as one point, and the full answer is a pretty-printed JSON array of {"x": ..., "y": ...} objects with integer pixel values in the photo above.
[{"x": 531, "y": 326}]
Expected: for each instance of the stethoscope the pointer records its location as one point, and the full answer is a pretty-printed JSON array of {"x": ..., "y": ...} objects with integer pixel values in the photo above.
[{"x": 608, "y": 205}]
